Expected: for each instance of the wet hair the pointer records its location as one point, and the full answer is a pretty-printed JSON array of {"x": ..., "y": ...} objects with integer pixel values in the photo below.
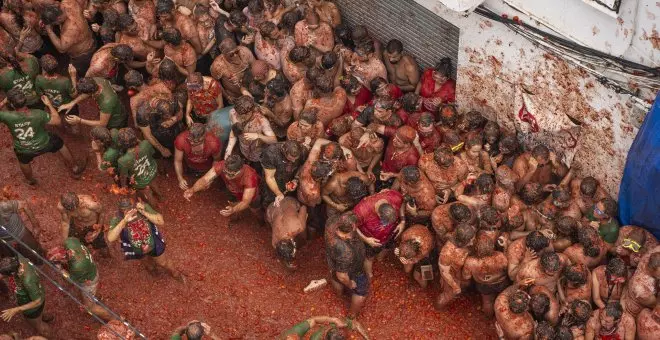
[
  {"x": 172, "y": 36},
  {"x": 289, "y": 20},
  {"x": 299, "y": 54},
  {"x": 125, "y": 21},
  {"x": 122, "y": 52},
  {"x": 474, "y": 141},
  {"x": 87, "y": 85},
  {"x": 164, "y": 6},
  {"x": 491, "y": 128},
  {"x": 267, "y": 28},
  {"x": 376, "y": 83},
  {"x": 347, "y": 222},
  {"x": 367, "y": 46},
  {"x": 312, "y": 74},
  {"x": 328, "y": 60},
  {"x": 541, "y": 151},
  {"x": 331, "y": 150},
  {"x": 566, "y": 225},
  {"x": 448, "y": 114},
  {"x": 107, "y": 34},
  {"x": 580, "y": 310},
  {"x": 654, "y": 261},
  {"x": 292, "y": 149},
  {"x": 617, "y": 266},
  {"x": 614, "y": 309},
  {"x": 255, "y": 6},
  {"x": 444, "y": 66},
  {"x": 339, "y": 126},
  {"x": 426, "y": 119},
  {"x": 286, "y": 250},
  {"x": 609, "y": 207},
  {"x": 587, "y": 237},
  {"x": 475, "y": 120},
  {"x": 110, "y": 18},
  {"x": 550, "y": 261},
  {"x": 344, "y": 33},
  {"x": 410, "y": 174},
  {"x": 321, "y": 170},
  {"x": 234, "y": 163},
  {"x": 277, "y": 87},
  {"x": 531, "y": 193},
  {"x": 359, "y": 33},
  {"x": 197, "y": 131},
  {"x": 70, "y": 201},
  {"x": 324, "y": 85},
  {"x": 309, "y": 116},
  {"x": 588, "y": 186},
  {"x": 544, "y": 331},
  {"x": 133, "y": 78},
  {"x": 350, "y": 84},
  {"x": 48, "y": 63},
  {"x": 335, "y": 334},
  {"x": 576, "y": 273},
  {"x": 9, "y": 265},
  {"x": 539, "y": 304},
  {"x": 166, "y": 107},
  {"x": 237, "y": 18},
  {"x": 519, "y": 302},
  {"x": 536, "y": 241},
  {"x": 509, "y": 142},
  {"x": 409, "y": 248},
  {"x": 387, "y": 212},
  {"x": 409, "y": 101},
  {"x": 227, "y": 45},
  {"x": 167, "y": 70},
  {"x": 564, "y": 333},
  {"x": 244, "y": 105},
  {"x": 356, "y": 189},
  {"x": 561, "y": 194},
  {"x": 464, "y": 234},
  {"x": 460, "y": 212},
  {"x": 127, "y": 138},
  {"x": 489, "y": 215},
  {"x": 101, "y": 133},
  {"x": 50, "y": 14},
  {"x": 16, "y": 98},
  {"x": 485, "y": 183},
  {"x": 195, "y": 331},
  {"x": 394, "y": 46}
]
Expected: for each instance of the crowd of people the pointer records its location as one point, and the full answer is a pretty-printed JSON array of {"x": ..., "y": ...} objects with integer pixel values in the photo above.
[{"x": 319, "y": 130}]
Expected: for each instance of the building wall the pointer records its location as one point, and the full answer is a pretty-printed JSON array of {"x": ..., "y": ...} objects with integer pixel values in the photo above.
[{"x": 494, "y": 64}]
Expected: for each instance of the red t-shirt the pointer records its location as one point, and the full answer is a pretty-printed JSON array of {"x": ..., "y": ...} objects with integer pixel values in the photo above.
[
  {"x": 247, "y": 179},
  {"x": 204, "y": 101},
  {"x": 368, "y": 220},
  {"x": 447, "y": 91},
  {"x": 392, "y": 163},
  {"x": 204, "y": 160},
  {"x": 431, "y": 142},
  {"x": 361, "y": 98}
]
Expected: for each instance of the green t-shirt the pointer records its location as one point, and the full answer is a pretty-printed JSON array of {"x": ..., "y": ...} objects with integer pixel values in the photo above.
[
  {"x": 609, "y": 231},
  {"x": 112, "y": 152},
  {"x": 59, "y": 90},
  {"x": 300, "y": 329},
  {"x": 176, "y": 337},
  {"x": 140, "y": 163},
  {"x": 11, "y": 78},
  {"x": 320, "y": 334},
  {"x": 81, "y": 266},
  {"x": 139, "y": 231},
  {"x": 27, "y": 128},
  {"x": 108, "y": 102},
  {"x": 28, "y": 286}
]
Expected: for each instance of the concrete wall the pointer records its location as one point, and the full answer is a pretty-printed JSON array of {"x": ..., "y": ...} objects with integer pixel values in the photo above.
[{"x": 494, "y": 64}]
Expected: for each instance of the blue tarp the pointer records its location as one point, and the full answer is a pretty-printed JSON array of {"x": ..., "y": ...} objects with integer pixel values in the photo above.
[{"x": 639, "y": 194}]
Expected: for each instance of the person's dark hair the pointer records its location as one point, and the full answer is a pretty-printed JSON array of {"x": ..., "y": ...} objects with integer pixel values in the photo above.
[
  {"x": 451, "y": 139},
  {"x": 386, "y": 212},
  {"x": 564, "y": 333},
  {"x": 409, "y": 248},
  {"x": 125, "y": 21},
  {"x": 8, "y": 265},
  {"x": 289, "y": 20},
  {"x": 410, "y": 174},
  {"x": 614, "y": 309},
  {"x": 237, "y": 18},
  {"x": 122, "y": 52},
  {"x": 244, "y": 105},
  {"x": 509, "y": 142},
  {"x": 234, "y": 163},
  {"x": 550, "y": 261},
  {"x": 145, "y": 113},
  {"x": 576, "y": 273},
  {"x": 111, "y": 18},
  {"x": 356, "y": 189},
  {"x": 329, "y": 60},
  {"x": 344, "y": 33},
  {"x": 321, "y": 170},
  {"x": 335, "y": 334},
  {"x": 133, "y": 78},
  {"x": 350, "y": 84},
  {"x": 541, "y": 151},
  {"x": 426, "y": 119},
  {"x": 69, "y": 201},
  {"x": 102, "y": 134},
  {"x": 544, "y": 331},
  {"x": 324, "y": 85},
  {"x": 519, "y": 302},
  {"x": 164, "y": 6},
  {"x": 531, "y": 193},
  {"x": 444, "y": 66},
  {"x": 485, "y": 183},
  {"x": 610, "y": 207},
  {"x": 16, "y": 98},
  {"x": 367, "y": 46},
  {"x": 195, "y": 331},
  {"x": 292, "y": 149},
  {"x": 539, "y": 304},
  {"x": 484, "y": 245},
  {"x": 286, "y": 250},
  {"x": 299, "y": 54},
  {"x": 488, "y": 215},
  {"x": 127, "y": 138},
  {"x": 255, "y": 6},
  {"x": 617, "y": 266},
  {"x": 566, "y": 226},
  {"x": 587, "y": 237},
  {"x": 347, "y": 222},
  {"x": 197, "y": 131},
  {"x": 87, "y": 85},
  {"x": 166, "y": 107},
  {"x": 376, "y": 83},
  {"x": 491, "y": 128},
  {"x": 580, "y": 310},
  {"x": 309, "y": 116},
  {"x": 474, "y": 141},
  {"x": 267, "y": 28},
  {"x": 277, "y": 87},
  {"x": 464, "y": 234},
  {"x": 312, "y": 74},
  {"x": 536, "y": 241},
  {"x": 409, "y": 102},
  {"x": 172, "y": 36},
  {"x": 561, "y": 194},
  {"x": 167, "y": 70},
  {"x": 475, "y": 120},
  {"x": 588, "y": 186},
  {"x": 50, "y": 14},
  {"x": 48, "y": 63},
  {"x": 460, "y": 212},
  {"x": 394, "y": 46}
]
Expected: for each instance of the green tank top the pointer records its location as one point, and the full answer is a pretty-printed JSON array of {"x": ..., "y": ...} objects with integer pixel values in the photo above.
[
  {"x": 81, "y": 266},
  {"x": 58, "y": 90},
  {"x": 140, "y": 163},
  {"x": 11, "y": 78},
  {"x": 27, "y": 128},
  {"x": 108, "y": 102}
]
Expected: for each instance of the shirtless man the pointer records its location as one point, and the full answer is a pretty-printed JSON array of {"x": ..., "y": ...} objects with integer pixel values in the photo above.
[
  {"x": 633, "y": 243},
  {"x": 82, "y": 218},
  {"x": 453, "y": 254},
  {"x": 301, "y": 90},
  {"x": 419, "y": 193},
  {"x": 505, "y": 180},
  {"x": 414, "y": 252},
  {"x": 280, "y": 106},
  {"x": 538, "y": 166},
  {"x": 642, "y": 288},
  {"x": 610, "y": 322},
  {"x": 513, "y": 320},
  {"x": 144, "y": 14},
  {"x": 586, "y": 192},
  {"x": 575, "y": 318},
  {"x": 524, "y": 250},
  {"x": 250, "y": 129},
  {"x": 648, "y": 323},
  {"x": 75, "y": 38},
  {"x": 545, "y": 270},
  {"x": 142, "y": 93},
  {"x": 168, "y": 17},
  {"x": 566, "y": 228},
  {"x": 230, "y": 67},
  {"x": 328, "y": 101},
  {"x": 609, "y": 281},
  {"x": 368, "y": 150},
  {"x": 489, "y": 270},
  {"x": 129, "y": 35},
  {"x": 288, "y": 221},
  {"x": 445, "y": 171},
  {"x": 364, "y": 64},
  {"x": 312, "y": 176},
  {"x": 327, "y": 11},
  {"x": 22, "y": 24},
  {"x": 401, "y": 68},
  {"x": 181, "y": 52},
  {"x": 590, "y": 249},
  {"x": 268, "y": 43},
  {"x": 445, "y": 217},
  {"x": 575, "y": 284},
  {"x": 306, "y": 130},
  {"x": 106, "y": 61},
  {"x": 312, "y": 32}
]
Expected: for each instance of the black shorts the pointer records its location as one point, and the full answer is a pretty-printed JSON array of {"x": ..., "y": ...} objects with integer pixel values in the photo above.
[
  {"x": 372, "y": 252},
  {"x": 55, "y": 143},
  {"x": 97, "y": 243},
  {"x": 494, "y": 288},
  {"x": 361, "y": 283}
]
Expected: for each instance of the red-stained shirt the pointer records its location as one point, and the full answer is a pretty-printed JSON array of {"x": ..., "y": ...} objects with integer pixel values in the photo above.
[
  {"x": 447, "y": 91},
  {"x": 204, "y": 160},
  {"x": 430, "y": 142},
  {"x": 204, "y": 101},
  {"x": 392, "y": 163},
  {"x": 247, "y": 179},
  {"x": 363, "y": 97},
  {"x": 368, "y": 220}
]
